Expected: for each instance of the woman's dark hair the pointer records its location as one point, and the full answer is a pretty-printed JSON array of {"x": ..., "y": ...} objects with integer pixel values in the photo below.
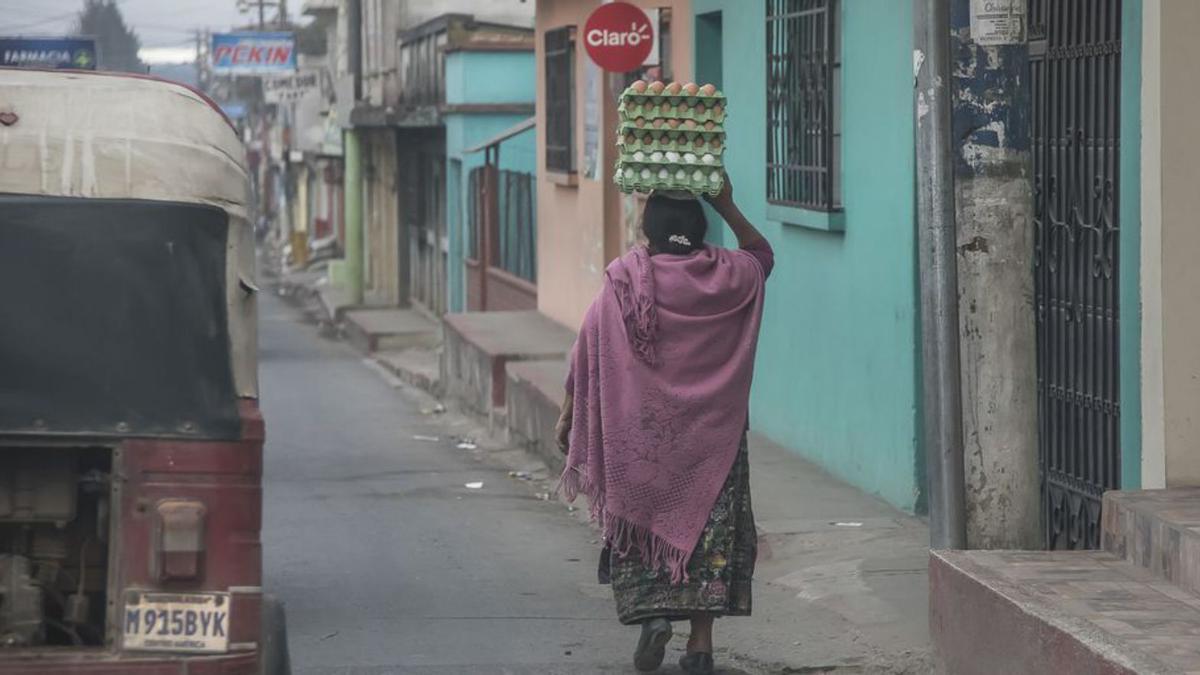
[{"x": 666, "y": 217}]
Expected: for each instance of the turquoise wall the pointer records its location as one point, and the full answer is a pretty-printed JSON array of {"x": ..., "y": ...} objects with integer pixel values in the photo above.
[
  {"x": 837, "y": 376},
  {"x": 1130, "y": 245},
  {"x": 481, "y": 77},
  {"x": 490, "y": 77}
]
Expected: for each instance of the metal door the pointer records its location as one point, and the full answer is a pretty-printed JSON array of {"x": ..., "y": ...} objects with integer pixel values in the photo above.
[{"x": 1075, "y": 63}]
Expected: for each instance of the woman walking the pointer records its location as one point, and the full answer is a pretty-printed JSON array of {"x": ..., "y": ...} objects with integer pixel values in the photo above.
[{"x": 654, "y": 424}]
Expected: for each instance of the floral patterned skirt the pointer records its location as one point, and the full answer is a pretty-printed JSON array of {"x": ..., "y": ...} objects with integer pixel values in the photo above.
[{"x": 719, "y": 571}]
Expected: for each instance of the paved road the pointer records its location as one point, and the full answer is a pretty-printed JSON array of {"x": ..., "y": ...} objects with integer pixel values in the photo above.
[{"x": 386, "y": 561}]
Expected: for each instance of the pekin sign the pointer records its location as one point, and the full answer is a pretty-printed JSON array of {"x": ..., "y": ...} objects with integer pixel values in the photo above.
[
  {"x": 618, "y": 37},
  {"x": 253, "y": 53}
]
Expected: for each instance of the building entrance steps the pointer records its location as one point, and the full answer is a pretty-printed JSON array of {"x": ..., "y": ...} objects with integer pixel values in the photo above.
[
  {"x": 533, "y": 401},
  {"x": 1130, "y": 608},
  {"x": 389, "y": 329},
  {"x": 478, "y": 347}
]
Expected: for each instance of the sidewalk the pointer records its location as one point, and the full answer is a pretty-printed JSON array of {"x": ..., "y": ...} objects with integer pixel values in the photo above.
[{"x": 841, "y": 584}]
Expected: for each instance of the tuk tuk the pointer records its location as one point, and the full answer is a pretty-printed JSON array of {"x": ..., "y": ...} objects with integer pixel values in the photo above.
[{"x": 130, "y": 434}]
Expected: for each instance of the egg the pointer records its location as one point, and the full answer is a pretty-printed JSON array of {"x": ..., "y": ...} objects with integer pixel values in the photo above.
[
  {"x": 630, "y": 140},
  {"x": 689, "y": 124},
  {"x": 690, "y": 89},
  {"x": 698, "y": 176},
  {"x": 672, "y": 156},
  {"x": 673, "y": 123},
  {"x": 681, "y": 175},
  {"x": 655, "y": 87},
  {"x": 656, "y": 156},
  {"x": 718, "y": 110},
  {"x": 666, "y": 107},
  {"x": 638, "y": 85},
  {"x": 689, "y": 158},
  {"x": 710, "y": 125},
  {"x": 663, "y": 174},
  {"x": 646, "y": 174},
  {"x": 716, "y": 144},
  {"x": 699, "y": 144},
  {"x": 715, "y": 177},
  {"x": 674, "y": 88},
  {"x": 700, "y": 109},
  {"x": 708, "y": 158},
  {"x": 629, "y": 173},
  {"x": 640, "y": 122},
  {"x": 708, "y": 90},
  {"x": 639, "y": 156}
]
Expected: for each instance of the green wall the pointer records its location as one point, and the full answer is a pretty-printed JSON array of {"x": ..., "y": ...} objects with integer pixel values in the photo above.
[
  {"x": 837, "y": 375},
  {"x": 1130, "y": 246}
]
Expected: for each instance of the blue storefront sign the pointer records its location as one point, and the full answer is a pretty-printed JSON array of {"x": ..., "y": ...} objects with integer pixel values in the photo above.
[
  {"x": 253, "y": 53},
  {"x": 25, "y": 52}
]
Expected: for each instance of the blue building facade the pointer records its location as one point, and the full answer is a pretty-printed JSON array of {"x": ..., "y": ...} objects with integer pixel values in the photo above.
[
  {"x": 489, "y": 91},
  {"x": 832, "y": 187}
]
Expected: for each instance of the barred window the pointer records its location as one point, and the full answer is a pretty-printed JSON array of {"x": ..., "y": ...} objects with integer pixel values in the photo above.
[
  {"x": 803, "y": 104},
  {"x": 560, "y": 99}
]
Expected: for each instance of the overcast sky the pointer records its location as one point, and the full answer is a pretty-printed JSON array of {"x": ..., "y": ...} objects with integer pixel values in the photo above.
[{"x": 166, "y": 27}]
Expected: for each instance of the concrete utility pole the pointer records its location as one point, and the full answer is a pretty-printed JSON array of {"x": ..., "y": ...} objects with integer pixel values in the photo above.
[
  {"x": 940, "y": 382},
  {"x": 994, "y": 198},
  {"x": 352, "y": 180}
]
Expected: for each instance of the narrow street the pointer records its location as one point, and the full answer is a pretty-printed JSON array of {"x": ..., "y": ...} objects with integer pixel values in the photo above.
[{"x": 386, "y": 561}]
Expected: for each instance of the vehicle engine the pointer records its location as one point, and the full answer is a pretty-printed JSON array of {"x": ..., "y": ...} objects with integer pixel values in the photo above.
[{"x": 54, "y": 532}]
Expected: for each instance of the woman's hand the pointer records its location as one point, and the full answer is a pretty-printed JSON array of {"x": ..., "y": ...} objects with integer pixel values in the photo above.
[
  {"x": 562, "y": 429},
  {"x": 723, "y": 199},
  {"x": 562, "y": 434}
]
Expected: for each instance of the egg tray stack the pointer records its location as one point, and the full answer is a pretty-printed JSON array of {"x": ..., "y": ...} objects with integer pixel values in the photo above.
[{"x": 670, "y": 139}]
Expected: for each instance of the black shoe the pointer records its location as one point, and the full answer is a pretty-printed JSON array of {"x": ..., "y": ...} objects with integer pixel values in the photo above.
[
  {"x": 652, "y": 646},
  {"x": 697, "y": 663}
]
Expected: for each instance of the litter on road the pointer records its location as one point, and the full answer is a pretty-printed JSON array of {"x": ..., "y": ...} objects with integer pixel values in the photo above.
[{"x": 474, "y": 486}]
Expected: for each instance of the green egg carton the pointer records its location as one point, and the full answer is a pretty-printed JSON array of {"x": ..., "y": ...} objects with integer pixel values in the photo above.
[
  {"x": 672, "y": 138},
  {"x": 630, "y": 114},
  {"x": 637, "y": 182}
]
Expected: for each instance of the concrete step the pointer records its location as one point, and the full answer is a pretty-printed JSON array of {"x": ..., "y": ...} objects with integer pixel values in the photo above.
[
  {"x": 533, "y": 398},
  {"x": 1058, "y": 613},
  {"x": 417, "y": 366},
  {"x": 478, "y": 346},
  {"x": 1158, "y": 530},
  {"x": 390, "y": 329}
]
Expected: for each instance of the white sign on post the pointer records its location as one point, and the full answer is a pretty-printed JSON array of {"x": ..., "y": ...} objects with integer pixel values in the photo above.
[
  {"x": 290, "y": 88},
  {"x": 997, "y": 22}
]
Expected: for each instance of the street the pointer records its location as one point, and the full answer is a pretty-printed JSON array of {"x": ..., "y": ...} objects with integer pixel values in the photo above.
[{"x": 387, "y": 563}]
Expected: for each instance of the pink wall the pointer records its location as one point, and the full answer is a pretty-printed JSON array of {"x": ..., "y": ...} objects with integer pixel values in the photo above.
[{"x": 580, "y": 225}]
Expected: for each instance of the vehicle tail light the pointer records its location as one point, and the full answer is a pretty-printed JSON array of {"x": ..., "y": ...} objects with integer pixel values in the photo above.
[{"x": 179, "y": 544}]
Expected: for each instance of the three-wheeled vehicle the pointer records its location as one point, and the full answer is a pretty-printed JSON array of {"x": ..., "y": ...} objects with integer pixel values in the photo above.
[{"x": 130, "y": 434}]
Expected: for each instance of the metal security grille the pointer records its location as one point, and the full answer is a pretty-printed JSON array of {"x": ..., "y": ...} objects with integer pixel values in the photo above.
[
  {"x": 560, "y": 99},
  {"x": 803, "y": 88},
  {"x": 1075, "y": 74}
]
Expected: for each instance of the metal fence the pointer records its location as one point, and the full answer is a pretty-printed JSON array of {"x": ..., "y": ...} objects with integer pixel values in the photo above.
[
  {"x": 803, "y": 107},
  {"x": 1075, "y": 65},
  {"x": 513, "y": 240}
]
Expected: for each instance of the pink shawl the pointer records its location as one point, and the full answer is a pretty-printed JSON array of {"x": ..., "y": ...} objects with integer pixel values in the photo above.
[{"x": 661, "y": 380}]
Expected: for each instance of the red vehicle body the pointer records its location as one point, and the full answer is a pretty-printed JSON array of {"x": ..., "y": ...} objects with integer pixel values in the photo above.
[{"x": 130, "y": 434}]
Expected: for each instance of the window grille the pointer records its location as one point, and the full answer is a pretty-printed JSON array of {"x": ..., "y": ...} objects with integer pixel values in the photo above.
[
  {"x": 803, "y": 104},
  {"x": 560, "y": 99}
]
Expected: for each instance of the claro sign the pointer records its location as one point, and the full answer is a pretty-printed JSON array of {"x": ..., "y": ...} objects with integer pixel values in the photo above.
[{"x": 618, "y": 37}]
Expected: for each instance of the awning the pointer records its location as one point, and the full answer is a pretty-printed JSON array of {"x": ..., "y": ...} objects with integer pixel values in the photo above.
[{"x": 508, "y": 133}]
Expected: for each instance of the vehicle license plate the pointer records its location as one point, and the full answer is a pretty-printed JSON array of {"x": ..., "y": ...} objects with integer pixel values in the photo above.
[{"x": 177, "y": 622}]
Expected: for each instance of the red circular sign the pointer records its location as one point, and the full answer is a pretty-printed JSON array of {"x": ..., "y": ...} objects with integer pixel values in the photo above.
[{"x": 618, "y": 36}]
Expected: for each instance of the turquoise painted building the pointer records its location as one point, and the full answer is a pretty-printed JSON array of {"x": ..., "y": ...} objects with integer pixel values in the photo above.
[
  {"x": 838, "y": 374},
  {"x": 489, "y": 89}
]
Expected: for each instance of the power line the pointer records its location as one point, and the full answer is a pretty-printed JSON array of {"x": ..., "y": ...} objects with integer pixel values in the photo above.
[{"x": 34, "y": 24}]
